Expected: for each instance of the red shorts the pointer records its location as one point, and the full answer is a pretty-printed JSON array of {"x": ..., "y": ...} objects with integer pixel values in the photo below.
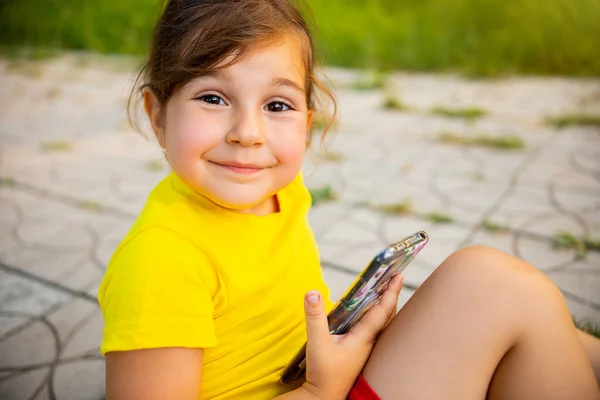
[{"x": 362, "y": 390}]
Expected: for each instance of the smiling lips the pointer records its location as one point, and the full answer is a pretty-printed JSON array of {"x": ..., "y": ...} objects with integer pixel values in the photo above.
[{"x": 239, "y": 168}]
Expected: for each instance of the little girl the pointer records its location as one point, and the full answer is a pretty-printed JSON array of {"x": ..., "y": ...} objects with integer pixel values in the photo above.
[{"x": 218, "y": 282}]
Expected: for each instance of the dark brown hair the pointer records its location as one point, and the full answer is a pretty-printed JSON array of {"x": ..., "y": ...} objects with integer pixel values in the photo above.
[{"x": 192, "y": 37}]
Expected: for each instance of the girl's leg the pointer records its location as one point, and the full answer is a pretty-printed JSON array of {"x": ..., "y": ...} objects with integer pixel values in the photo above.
[
  {"x": 484, "y": 324},
  {"x": 592, "y": 348}
]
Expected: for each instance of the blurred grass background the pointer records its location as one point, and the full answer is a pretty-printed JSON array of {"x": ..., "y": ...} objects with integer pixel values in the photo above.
[{"x": 473, "y": 37}]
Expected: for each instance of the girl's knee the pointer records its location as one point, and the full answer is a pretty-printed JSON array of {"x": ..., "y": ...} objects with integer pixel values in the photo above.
[
  {"x": 482, "y": 260},
  {"x": 496, "y": 271}
]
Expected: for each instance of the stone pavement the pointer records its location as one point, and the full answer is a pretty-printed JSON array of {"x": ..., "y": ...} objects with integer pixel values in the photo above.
[{"x": 74, "y": 175}]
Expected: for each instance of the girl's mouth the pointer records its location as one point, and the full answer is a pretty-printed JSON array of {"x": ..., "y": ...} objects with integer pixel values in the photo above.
[{"x": 239, "y": 168}]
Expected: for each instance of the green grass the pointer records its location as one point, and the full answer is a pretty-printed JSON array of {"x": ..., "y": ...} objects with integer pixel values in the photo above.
[
  {"x": 90, "y": 205},
  {"x": 80, "y": 25},
  {"x": 25, "y": 67},
  {"x": 493, "y": 227},
  {"x": 564, "y": 121},
  {"x": 473, "y": 37},
  {"x": 393, "y": 103},
  {"x": 438, "y": 218},
  {"x": 404, "y": 207},
  {"x": 592, "y": 244},
  {"x": 477, "y": 176},
  {"x": 372, "y": 81},
  {"x": 155, "y": 165},
  {"x": 332, "y": 156},
  {"x": 567, "y": 240},
  {"x": 53, "y": 92},
  {"x": 56, "y": 146},
  {"x": 495, "y": 142},
  {"x": 588, "y": 327},
  {"x": 17, "y": 54},
  {"x": 7, "y": 182},
  {"x": 464, "y": 113},
  {"x": 322, "y": 195}
]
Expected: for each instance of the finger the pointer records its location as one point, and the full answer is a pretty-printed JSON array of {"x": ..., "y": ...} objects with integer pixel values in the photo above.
[
  {"x": 395, "y": 284},
  {"x": 374, "y": 320},
  {"x": 317, "y": 327},
  {"x": 395, "y": 280},
  {"x": 392, "y": 316}
]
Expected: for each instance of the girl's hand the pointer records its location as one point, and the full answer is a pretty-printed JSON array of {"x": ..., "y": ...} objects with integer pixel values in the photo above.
[{"x": 334, "y": 362}]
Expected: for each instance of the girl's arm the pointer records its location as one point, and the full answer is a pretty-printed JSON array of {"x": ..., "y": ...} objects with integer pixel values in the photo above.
[{"x": 165, "y": 373}]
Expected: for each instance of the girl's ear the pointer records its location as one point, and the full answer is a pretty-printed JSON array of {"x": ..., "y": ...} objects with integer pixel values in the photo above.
[{"x": 155, "y": 115}]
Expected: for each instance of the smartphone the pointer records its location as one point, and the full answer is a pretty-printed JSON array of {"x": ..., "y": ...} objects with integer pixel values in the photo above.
[{"x": 363, "y": 294}]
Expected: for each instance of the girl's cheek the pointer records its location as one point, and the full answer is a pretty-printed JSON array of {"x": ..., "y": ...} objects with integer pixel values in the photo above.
[
  {"x": 193, "y": 136},
  {"x": 292, "y": 149}
]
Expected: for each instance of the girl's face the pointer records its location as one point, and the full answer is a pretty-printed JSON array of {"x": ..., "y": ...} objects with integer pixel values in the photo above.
[{"x": 238, "y": 135}]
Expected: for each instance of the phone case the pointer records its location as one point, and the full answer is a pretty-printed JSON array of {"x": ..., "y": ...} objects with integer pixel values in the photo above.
[{"x": 364, "y": 293}]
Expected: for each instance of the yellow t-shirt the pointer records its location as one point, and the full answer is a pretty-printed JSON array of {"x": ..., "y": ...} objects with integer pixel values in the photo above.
[{"x": 192, "y": 274}]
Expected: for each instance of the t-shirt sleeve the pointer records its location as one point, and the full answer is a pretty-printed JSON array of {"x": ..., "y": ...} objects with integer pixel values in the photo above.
[{"x": 158, "y": 291}]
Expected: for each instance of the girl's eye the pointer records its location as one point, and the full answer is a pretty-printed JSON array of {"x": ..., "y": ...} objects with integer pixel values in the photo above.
[
  {"x": 212, "y": 99},
  {"x": 277, "y": 106}
]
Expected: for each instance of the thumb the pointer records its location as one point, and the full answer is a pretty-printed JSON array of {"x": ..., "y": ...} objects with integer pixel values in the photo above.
[{"x": 317, "y": 327}]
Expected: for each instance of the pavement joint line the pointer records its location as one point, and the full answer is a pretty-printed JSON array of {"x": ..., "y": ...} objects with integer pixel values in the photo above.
[
  {"x": 66, "y": 360},
  {"x": 63, "y": 198},
  {"x": 46, "y": 282},
  {"x": 512, "y": 185},
  {"x": 474, "y": 225},
  {"x": 561, "y": 209},
  {"x": 579, "y": 299}
]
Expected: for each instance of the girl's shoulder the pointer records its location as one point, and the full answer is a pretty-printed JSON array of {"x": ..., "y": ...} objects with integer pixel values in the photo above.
[
  {"x": 167, "y": 207},
  {"x": 157, "y": 278},
  {"x": 163, "y": 226}
]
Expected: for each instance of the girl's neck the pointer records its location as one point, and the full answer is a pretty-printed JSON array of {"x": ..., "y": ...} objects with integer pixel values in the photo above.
[{"x": 266, "y": 207}]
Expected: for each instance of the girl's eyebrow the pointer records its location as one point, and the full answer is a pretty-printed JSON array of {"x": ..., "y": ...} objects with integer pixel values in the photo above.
[
  {"x": 223, "y": 75},
  {"x": 288, "y": 83}
]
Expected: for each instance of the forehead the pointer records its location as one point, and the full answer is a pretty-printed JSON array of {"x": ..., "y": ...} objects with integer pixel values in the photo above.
[
  {"x": 267, "y": 63},
  {"x": 286, "y": 56}
]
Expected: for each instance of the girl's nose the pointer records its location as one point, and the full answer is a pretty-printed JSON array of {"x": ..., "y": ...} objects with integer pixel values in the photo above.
[{"x": 247, "y": 130}]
